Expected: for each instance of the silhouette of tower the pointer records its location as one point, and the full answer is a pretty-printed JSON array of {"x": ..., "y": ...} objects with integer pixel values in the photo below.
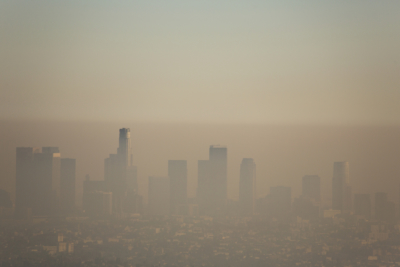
[
  {"x": 37, "y": 181},
  {"x": 120, "y": 175},
  {"x": 177, "y": 173},
  {"x": 212, "y": 182},
  {"x": 247, "y": 187},
  {"x": 46, "y": 181},
  {"x": 341, "y": 190}
]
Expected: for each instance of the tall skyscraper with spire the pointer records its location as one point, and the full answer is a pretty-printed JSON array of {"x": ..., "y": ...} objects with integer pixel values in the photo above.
[{"x": 120, "y": 175}]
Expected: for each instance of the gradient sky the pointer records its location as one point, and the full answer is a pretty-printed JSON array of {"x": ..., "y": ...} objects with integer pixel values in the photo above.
[{"x": 201, "y": 61}]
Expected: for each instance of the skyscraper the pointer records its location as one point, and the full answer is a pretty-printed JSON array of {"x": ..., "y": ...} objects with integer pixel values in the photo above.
[
  {"x": 67, "y": 185},
  {"x": 341, "y": 191},
  {"x": 247, "y": 186},
  {"x": 311, "y": 187},
  {"x": 212, "y": 182},
  {"x": 177, "y": 173},
  {"x": 119, "y": 173},
  {"x": 159, "y": 196},
  {"x": 37, "y": 181},
  {"x": 46, "y": 189}
]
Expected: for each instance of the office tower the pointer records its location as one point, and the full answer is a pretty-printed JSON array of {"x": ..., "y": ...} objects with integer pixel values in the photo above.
[
  {"x": 120, "y": 175},
  {"x": 67, "y": 185},
  {"x": 177, "y": 173},
  {"x": 218, "y": 172},
  {"x": 307, "y": 206},
  {"x": 159, "y": 196},
  {"x": 247, "y": 187},
  {"x": 311, "y": 187},
  {"x": 37, "y": 181},
  {"x": 212, "y": 182},
  {"x": 46, "y": 188},
  {"x": 362, "y": 205},
  {"x": 340, "y": 186}
]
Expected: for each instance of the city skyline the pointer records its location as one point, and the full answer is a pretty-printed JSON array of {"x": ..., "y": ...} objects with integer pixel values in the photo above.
[
  {"x": 41, "y": 172},
  {"x": 265, "y": 181}
]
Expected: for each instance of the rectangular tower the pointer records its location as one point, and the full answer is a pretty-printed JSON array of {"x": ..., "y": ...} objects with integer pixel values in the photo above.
[
  {"x": 212, "y": 182},
  {"x": 218, "y": 178},
  {"x": 46, "y": 189},
  {"x": 340, "y": 184},
  {"x": 120, "y": 175},
  {"x": 247, "y": 187}
]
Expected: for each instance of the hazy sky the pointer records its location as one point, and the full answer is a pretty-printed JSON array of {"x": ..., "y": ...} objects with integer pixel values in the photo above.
[{"x": 201, "y": 61}]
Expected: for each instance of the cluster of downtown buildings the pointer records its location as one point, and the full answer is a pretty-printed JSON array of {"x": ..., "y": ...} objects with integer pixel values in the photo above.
[{"x": 45, "y": 186}]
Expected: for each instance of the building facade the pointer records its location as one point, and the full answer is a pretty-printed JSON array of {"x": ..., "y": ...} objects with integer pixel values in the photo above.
[{"x": 247, "y": 187}]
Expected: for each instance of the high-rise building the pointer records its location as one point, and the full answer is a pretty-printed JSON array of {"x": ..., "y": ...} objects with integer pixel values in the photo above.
[
  {"x": 219, "y": 170},
  {"x": 247, "y": 187},
  {"x": 341, "y": 190},
  {"x": 46, "y": 169},
  {"x": 307, "y": 206},
  {"x": 362, "y": 205},
  {"x": 67, "y": 185},
  {"x": 177, "y": 173},
  {"x": 159, "y": 196},
  {"x": 212, "y": 182},
  {"x": 37, "y": 181},
  {"x": 120, "y": 175},
  {"x": 311, "y": 187}
]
